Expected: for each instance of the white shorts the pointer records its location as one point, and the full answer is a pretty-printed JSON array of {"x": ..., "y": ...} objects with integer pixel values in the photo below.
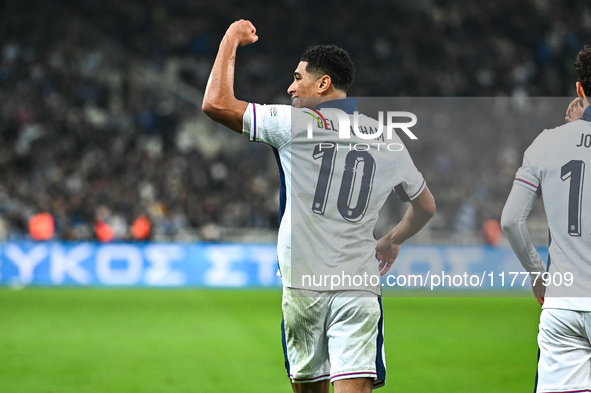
[
  {"x": 333, "y": 336},
  {"x": 565, "y": 351}
]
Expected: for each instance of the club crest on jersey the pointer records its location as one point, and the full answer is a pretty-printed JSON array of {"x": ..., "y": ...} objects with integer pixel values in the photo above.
[{"x": 273, "y": 111}]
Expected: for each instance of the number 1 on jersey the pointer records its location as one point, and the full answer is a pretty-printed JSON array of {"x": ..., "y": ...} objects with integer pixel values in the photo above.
[
  {"x": 575, "y": 171},
  {"x": 324, "y": 178}
]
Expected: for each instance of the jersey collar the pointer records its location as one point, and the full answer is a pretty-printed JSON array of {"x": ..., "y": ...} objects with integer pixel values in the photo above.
[
  {"x": 348, "y": 105},
  {"x": 587, "y": 114}
]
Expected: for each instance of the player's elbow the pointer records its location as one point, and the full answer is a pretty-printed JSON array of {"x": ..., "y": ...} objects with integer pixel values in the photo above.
[
  {"x": 206, "y": 106},
  {"x": 229, "y": 114},
  {"x": 508, "y": 223},
  {"x": 425, "y": 204},
  {"x": 216, "y": 112},
  {"x": 430, "y": 209},
  {"x": 426, "y": 212},
  {"x": 211, "y": 108}
]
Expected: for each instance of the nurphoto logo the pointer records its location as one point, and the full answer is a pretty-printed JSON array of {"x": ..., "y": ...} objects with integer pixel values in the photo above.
[{"x": 345, "y": 129}]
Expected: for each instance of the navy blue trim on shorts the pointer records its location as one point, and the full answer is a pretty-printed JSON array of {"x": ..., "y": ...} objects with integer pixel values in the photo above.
[
  {"x": 284, "y": 344},
  {"x": 536, "y": 382},
  {"x": 380, "y": 366}
]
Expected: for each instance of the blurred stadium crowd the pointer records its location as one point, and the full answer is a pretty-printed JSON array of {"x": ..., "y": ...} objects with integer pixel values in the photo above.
[{"x": 100, "y": 119}]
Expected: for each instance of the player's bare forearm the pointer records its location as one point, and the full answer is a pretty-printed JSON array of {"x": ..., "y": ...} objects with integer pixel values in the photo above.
[
  {"x": 219, "y": 101},
  {"x": 421, "y": 210}
]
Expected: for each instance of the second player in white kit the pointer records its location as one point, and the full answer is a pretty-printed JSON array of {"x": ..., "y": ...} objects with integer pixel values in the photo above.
[{"x": 557, "y": 166}]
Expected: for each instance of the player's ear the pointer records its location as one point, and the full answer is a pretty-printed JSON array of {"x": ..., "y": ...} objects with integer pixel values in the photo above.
[
  {"x": 580, "y": 91},
  {"x": 324, "y": 83}
]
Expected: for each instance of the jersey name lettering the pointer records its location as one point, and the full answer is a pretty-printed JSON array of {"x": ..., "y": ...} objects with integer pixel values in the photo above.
[{"x": 585, "y": 140}]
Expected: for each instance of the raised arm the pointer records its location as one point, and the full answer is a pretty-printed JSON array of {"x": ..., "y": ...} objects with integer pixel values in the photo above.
[
  {"x": 420, "y": 211},
  {"x": 219, "y": 102}
]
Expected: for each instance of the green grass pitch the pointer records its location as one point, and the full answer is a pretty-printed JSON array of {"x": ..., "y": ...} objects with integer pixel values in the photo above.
[{"x": 194, "y": 340}]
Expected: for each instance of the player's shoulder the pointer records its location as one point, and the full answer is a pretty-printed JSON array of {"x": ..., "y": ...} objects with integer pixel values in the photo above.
[
  {"x": 570, "y": 126},
  {"x": 573, "y": 126},
  {"x": 551, "y": 135},
  {"x": 553, "y": 143},
  {"x": 272, "y": 110}
]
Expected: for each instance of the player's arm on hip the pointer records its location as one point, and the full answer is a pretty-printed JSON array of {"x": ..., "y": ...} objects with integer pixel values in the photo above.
[
  {"x": 219, "y": 102},
  {"x": 421, "y": 210}
]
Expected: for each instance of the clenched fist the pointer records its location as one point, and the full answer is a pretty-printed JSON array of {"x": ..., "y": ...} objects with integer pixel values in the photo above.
[{"x": 242, "y": 32}]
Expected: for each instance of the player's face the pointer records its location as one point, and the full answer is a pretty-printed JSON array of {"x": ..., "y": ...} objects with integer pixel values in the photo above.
[{"x": 304, "y": 89}]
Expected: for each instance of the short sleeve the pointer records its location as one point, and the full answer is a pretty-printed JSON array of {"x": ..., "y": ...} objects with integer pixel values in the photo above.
[
  {"x": 412, "y": 183},
  {"x": 270, "y": 124},
  {"x": 528, "y": 174}
]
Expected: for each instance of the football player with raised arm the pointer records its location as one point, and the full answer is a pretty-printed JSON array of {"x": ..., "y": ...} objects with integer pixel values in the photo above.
[
  {"x": 329, "y": 334},
  {"x": 556, "y": 166}
]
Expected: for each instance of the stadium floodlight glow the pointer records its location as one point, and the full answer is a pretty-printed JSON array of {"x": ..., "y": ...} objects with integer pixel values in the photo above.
[{"x": 345, "y": 129}]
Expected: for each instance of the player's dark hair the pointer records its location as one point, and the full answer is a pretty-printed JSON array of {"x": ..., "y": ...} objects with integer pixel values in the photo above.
[
  {"x": 332, "y": 61},
  {"x": 583, "y": 67}
]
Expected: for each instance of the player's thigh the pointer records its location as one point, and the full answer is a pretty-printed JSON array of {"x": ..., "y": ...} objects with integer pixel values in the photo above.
[
  {"x": 305, "y": 341},
  {"x": 565, "y": 351},
  {"x": 354, "y": 337}
]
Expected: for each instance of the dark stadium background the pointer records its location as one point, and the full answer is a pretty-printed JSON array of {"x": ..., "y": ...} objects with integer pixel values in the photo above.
[
  {"x": 101, "y": 122},
  {"x": 100, "y": 105}
]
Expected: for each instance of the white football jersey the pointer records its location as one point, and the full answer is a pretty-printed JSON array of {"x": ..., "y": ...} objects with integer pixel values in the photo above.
[
  {"x": 557, "y": 164},
  {"x": 334, "y": 187}
]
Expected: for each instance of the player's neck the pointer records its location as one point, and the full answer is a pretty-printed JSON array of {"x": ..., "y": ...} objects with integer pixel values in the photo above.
[{"x": 336, "y": 95}]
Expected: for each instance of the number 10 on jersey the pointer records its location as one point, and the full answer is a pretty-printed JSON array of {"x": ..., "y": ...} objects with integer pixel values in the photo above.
[{"x": 357, "y": 164}]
